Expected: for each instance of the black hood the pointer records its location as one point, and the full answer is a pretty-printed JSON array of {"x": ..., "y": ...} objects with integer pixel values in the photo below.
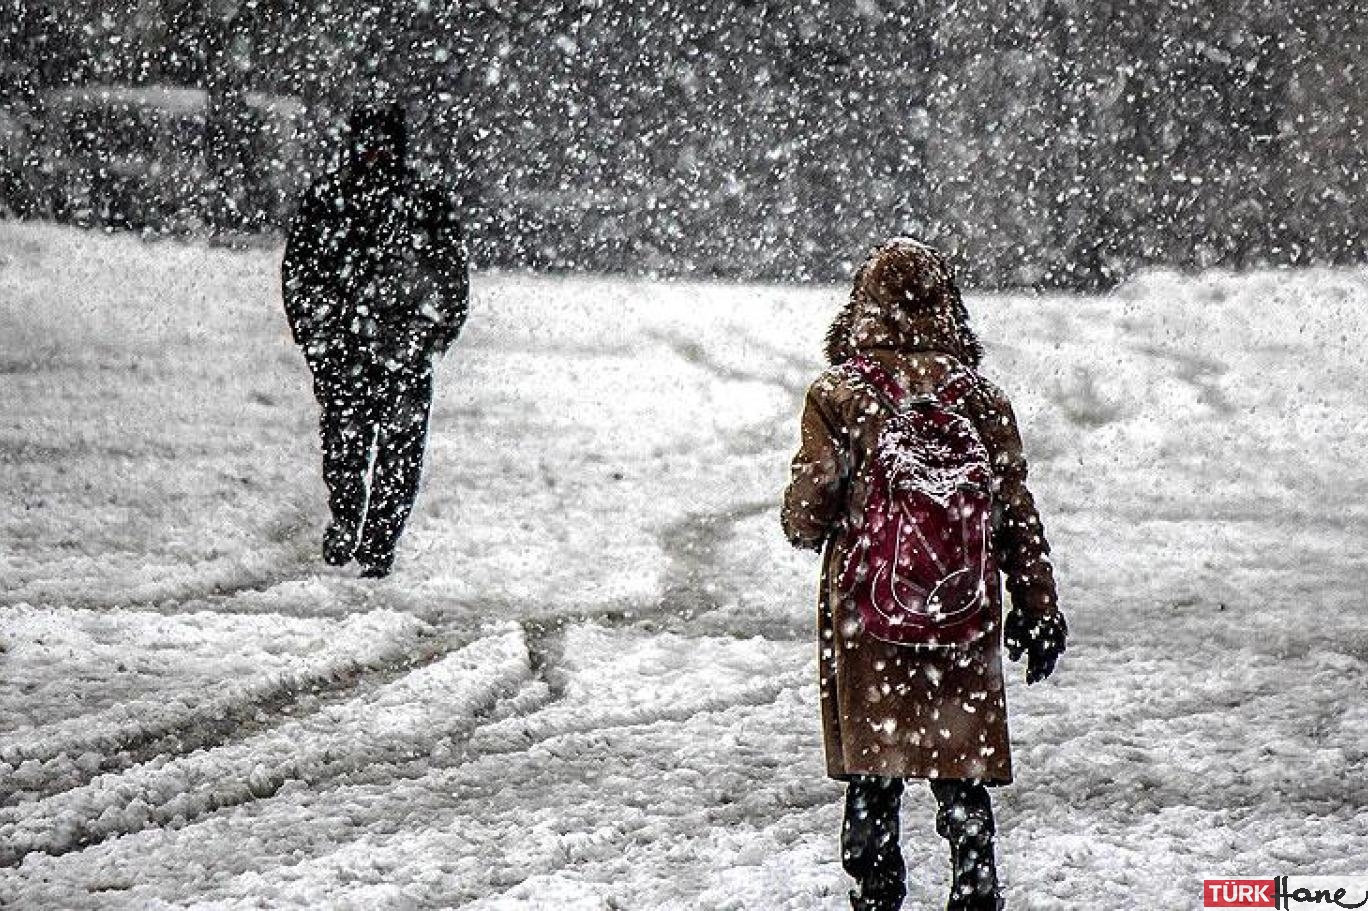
[{"x": 378, "y": 128}]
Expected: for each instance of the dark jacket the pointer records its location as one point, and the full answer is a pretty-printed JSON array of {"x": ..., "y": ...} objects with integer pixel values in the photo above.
[{"x": 375, "y": 272}]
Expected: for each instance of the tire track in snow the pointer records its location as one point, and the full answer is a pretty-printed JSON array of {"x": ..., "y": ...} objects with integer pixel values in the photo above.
[
  {"x": 693, "y": 352},
  {"x": 607, "y": 679},
  {"x": 693, "y": 578},
  {"x": 517, "y": 734},
  {"x": 55, "y": 758},
  {"x": 63, "y": 759},
  {"x": 692, "y": 548},
  {"x": 398, "y": 721},
  {"x": 696, "y": 575},
  {"x": 617, "y": 686},
  {"x": 212, "y": 585},
  {"x": 1201, "y": 372},
  {"x": 591, "y": 854}
]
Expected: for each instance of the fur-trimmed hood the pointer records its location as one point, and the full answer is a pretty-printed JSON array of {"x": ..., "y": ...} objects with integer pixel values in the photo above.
[{"x": 904, "y": 298}]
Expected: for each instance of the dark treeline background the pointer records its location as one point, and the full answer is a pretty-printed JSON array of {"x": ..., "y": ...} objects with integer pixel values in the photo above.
[{"x": 1046, "y": 142}]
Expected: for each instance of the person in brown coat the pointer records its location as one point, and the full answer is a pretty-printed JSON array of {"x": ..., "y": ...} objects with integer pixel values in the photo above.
[{"x": 892, "y": 712}]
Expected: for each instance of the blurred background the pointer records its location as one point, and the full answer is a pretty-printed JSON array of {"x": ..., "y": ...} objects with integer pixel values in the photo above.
[{"x": 1046, "y": 143}]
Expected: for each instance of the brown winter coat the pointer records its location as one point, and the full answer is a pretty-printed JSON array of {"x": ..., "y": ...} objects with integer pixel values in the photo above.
[{"x": 888, "y": 709}]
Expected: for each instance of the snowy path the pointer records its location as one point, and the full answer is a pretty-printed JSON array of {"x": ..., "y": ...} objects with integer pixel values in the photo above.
[{"x": 589, "y": 684}]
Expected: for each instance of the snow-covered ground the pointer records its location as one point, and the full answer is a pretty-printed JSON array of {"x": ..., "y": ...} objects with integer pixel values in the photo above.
[{"x": 589, "y": 683}]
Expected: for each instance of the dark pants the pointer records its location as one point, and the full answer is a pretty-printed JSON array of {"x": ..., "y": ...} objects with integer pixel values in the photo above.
[
  {"x": 373, "y": 424},
  {"x": 871, "y": 855}
]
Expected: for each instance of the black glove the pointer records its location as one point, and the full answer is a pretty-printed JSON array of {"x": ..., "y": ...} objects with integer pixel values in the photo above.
[{"x": 1041, "y": 639}]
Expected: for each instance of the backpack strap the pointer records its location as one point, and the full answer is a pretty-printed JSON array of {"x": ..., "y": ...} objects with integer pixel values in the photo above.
[
  {"x": 885, "y": 387},
  {"x": 957, "y": 387},
  {"x": 953, "y": 391}
]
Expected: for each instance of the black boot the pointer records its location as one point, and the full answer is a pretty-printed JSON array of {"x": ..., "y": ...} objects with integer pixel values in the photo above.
[
  {"x": 339, "y": 544},
  {"x": 858, "y": 903},
  {"x": 375, "y": 566},
  {"x": 965, "y": 820},
  {"x": 869, "y": 843}
]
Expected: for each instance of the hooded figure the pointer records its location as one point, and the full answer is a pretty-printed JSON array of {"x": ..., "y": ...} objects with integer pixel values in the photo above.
[
  {"x": 375, "y": 286},
  {"x": 892, "y": 712}
]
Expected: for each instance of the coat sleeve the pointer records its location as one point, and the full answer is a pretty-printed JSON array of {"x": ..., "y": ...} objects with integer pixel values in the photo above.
[
  {"x": 446, "y": 264},
  {"x": 1019, "y": 536},
  {"x": 308, "y": 292},
  {"x": 815, "y": 498}
]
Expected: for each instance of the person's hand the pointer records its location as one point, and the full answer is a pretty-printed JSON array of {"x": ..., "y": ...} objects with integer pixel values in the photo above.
[
  {"x": 1041, "y": 639},
  {"x": 401, "y": 352}
]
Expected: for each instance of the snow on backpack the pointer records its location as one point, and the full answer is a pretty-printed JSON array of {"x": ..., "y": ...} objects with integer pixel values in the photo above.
[{"x": 921, "y": 561}]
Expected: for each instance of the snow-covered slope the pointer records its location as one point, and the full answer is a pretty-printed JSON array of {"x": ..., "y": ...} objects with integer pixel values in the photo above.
[{"x": 588, "y": 684}]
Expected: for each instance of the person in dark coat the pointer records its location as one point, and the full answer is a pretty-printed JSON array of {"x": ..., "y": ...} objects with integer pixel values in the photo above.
[
  {"x": 892, "y": 712},
  {"x": 375, "y": 286}
]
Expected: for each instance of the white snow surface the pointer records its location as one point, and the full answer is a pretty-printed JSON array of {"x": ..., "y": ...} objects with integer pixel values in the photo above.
[{"x": 590, "y": 682}]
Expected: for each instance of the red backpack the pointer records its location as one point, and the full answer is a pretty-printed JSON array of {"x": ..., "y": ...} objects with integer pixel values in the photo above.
[{"x": 922, "y": 558}]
